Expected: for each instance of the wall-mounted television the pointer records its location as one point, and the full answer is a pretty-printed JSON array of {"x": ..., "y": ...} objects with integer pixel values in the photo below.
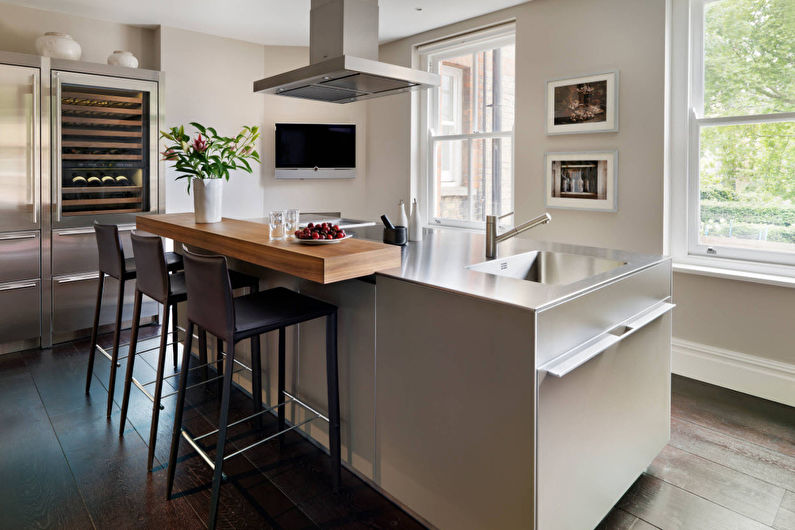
[{"x": 315, "y": 150}]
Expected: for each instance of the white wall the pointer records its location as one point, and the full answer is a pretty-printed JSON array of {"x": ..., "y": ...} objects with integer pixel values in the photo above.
[{"x": 20, "y": 26}]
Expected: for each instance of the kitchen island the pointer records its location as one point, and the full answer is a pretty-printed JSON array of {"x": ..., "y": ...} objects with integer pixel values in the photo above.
[{"x": 480, "y": 400}]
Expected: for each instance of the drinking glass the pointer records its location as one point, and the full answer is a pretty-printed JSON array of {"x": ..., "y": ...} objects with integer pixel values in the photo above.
[
  {"x": 277, "y": 224},
  {"x": 291, "y": 222}
]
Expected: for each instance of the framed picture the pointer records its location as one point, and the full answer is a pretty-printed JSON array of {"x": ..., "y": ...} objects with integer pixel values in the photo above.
[
  {"x": 585, "y": 104},
  {"x": 585, "y": 180}
]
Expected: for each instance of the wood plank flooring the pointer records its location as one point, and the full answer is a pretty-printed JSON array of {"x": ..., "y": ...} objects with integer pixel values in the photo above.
[{"x": 730, "y": 463}]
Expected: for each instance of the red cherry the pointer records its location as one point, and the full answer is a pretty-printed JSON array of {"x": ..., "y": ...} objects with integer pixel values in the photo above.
[
  {"x": 336, "y": 227},
  {"x": 297, "y": 233},
  {"x": 329, "y": 236},
  {"x": 339, "y": 235},
  {"x": 310, "y": 226},
  {"x": 315, "y": 236}
]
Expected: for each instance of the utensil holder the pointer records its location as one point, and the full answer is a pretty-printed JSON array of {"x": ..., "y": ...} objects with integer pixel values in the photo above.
[{"x": 396, "y": 236}]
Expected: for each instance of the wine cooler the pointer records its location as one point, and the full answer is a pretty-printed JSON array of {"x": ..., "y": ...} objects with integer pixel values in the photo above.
[{"x": 105, "y": 134}]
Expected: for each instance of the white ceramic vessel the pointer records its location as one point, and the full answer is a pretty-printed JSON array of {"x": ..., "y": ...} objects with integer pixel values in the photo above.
[
  {"x": 123, "y": 58},
  {"x": 58, "y": 46},
  {"x": 207, "y": 199}
]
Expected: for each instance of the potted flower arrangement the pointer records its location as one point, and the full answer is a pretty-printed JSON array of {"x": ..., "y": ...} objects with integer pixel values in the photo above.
[{"x": 206, "y": 161}]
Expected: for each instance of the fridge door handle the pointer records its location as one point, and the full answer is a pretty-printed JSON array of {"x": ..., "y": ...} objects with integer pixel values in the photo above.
[
  {"x": 18, "y": 285},
  {"x": 34, "y": 150},
  {"x": 78, "y": 278},
  {"x": 58, "y": 169},
  {"x": 18, "y": 236}
]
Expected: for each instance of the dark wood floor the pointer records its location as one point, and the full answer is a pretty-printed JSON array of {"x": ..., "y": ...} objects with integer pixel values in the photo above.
[
  {"x": 730, "y": 463},
  {"x": 63, "y": 465}
]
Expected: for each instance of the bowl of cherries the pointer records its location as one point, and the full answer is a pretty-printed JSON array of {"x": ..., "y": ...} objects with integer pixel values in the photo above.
[{"x": 321, "y": 234}]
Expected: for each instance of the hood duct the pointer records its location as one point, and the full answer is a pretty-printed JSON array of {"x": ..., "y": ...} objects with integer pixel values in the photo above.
[{"x": 343, "y": 56}]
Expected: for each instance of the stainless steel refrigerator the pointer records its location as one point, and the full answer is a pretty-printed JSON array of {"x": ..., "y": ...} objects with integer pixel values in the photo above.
[{"x": 78, "y": 143}]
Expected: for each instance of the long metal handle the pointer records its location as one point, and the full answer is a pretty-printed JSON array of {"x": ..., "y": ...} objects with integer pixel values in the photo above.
[
  {"x": 15, "y": 286},
  {"x": 35, "y": 175},
  {"x": 58, "y": 169},
  {"x": 78, "y": 278},
  {"x": 18, "y": 236},
  {"x": 90, "y": 230},
  {"x": 576, "y": 357}
]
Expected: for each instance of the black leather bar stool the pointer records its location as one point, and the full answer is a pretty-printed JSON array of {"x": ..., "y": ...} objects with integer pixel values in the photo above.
[
  {"x": 154, "y": 281},
  {"x": 112, "y": 263},
  {"x": 210, "y": 306}
]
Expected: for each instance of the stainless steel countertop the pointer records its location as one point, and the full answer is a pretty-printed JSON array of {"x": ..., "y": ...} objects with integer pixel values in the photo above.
[
  {"x": 441, "y": 258},
  {"x": 440, "y": 261}
]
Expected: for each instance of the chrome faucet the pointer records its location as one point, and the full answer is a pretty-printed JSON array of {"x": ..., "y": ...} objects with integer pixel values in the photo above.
[{"x": 491, "y": 230}]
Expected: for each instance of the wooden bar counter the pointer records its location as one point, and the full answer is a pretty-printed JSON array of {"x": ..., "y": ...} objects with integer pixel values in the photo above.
[{"x": 249, "y": 241}]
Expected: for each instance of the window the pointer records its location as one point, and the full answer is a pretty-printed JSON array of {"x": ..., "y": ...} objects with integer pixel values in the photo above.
[
  {"x": 741, "y": 162},
  {"x": 468, "y": 127}
]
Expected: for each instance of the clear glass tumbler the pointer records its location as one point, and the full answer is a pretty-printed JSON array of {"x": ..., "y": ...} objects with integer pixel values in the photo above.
[
  {"x": 291, "y": 222},
  {"x": 277, "y": 224}
]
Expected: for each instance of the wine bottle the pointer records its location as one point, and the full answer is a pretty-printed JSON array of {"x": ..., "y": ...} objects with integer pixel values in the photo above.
[
  {"x": 94, "y": 181},
  {"x": 121, "y": 180},
  {"x": 107, "y": 180}
]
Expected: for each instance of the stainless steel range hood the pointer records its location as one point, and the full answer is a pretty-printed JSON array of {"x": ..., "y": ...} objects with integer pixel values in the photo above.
[{"x": 343, "y": 55}]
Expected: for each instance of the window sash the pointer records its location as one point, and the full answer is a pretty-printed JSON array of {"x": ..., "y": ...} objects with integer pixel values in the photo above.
[
  {"x": 696, "y": 121},
  {"x": 431, "y": 56}
]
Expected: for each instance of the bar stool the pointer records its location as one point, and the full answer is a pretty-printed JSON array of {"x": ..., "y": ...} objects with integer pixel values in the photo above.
[
  {"x": 112, "y": 263},
  {"x": 211, "y": 306},
  {"x": 154, "y": 281}
]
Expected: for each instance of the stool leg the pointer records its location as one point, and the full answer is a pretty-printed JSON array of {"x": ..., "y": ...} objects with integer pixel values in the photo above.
[
  {"x": 203, "y": 352},
  {"x": 219, "y": 451},
  {"x": 333, "y": 399},
  {"x": 156, "y": 406},
  {"x": 177, "y": 432},
  {"x": 219, "y": 362},
  {"x": 174, "y": 333},
  {"x": 256, "y": 379},
  {"x": 125, "y": 400},
  {"x": 280, "y": 396},
  {"x": 93, "y": 350},
  {"x": 115, "y": 357}
]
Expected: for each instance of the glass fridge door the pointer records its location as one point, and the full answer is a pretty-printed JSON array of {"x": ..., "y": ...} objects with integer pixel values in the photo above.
[{"x": 105, "y": 142}]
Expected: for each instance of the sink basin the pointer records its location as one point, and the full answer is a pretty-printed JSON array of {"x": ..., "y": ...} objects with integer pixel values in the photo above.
[{"x": 556, "y": 268}]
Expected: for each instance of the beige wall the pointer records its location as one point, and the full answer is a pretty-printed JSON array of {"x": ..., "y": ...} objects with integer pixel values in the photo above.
[
  {"x": 547, "y": 49},
  {"x": 745, "y": 317},
  {"x": 209, "y": 80},
  {"x": 20, "y": 26}
]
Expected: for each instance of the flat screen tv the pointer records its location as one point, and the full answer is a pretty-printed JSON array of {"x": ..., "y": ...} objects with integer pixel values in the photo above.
[{"x": 315, "y": 150}]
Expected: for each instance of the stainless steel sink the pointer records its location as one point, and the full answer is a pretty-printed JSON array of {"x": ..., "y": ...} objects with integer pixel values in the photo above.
[{"x": 547, "y": 267}]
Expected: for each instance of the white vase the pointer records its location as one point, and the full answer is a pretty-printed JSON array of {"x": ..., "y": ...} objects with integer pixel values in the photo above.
[
  {"x": 58, "y": 46},
  {"x": 123, "y": 58},
  {"x": 207, "y": 198}
]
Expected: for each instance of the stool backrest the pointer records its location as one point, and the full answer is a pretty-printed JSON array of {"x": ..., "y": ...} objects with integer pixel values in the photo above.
[
  {"x": 210, "y": 303},
  {"x": 111, "y": 255},
  {"x": 150, "y": 265}
]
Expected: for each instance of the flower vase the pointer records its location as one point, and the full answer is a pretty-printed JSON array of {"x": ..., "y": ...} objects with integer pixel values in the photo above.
[{"x": 207, "y": 199}]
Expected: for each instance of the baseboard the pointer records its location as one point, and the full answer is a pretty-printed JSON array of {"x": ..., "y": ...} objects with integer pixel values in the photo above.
[{"x": 765, "y": 378}]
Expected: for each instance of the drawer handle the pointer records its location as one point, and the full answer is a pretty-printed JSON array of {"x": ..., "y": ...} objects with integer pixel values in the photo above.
[
  {"x": 16, "y": 286},
  {"x": 83, "y": 231},
  {"x": 576, "y": 357},
  {"x": 78, "y": 278},
  {"x": 14, "y": 237}
]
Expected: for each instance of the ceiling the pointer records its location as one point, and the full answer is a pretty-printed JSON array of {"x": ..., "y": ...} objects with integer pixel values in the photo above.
[{"x": 275, "y": 22}]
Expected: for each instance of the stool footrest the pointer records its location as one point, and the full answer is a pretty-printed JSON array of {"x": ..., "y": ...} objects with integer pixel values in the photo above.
[
  {"x": 269, "y": 438},
  {"x": 238, "y": 422},
  {"x": 146, "y": 393},
  {"x": 202, "y": 453},
  {"x": 309, "y": 408},
  {"x": 195, "y": 385}
]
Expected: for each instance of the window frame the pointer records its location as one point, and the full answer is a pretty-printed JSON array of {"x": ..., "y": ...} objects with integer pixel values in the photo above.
[
  {"x": 756, "y": 260},
  {"x": 429, "y": 55}
]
